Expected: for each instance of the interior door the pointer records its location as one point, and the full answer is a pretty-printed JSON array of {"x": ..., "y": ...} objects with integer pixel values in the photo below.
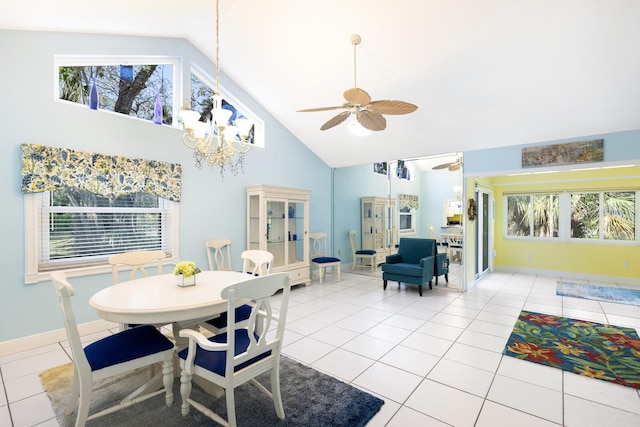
[{"x": 484, "y": 232}]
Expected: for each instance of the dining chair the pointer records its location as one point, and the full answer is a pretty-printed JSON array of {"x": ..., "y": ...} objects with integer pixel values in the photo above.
[
  {"x": 319, "y": 258},
  {"x": 113, "y": 355},
  {"x": 219, "y": 254},
  {"x": 361, "y": 254},
  {"x": 136, "y": 260},
  {"x": 243, "y": 352},
  {"x": 455, "y": 248},
  {"x": 255, "y": 262}
]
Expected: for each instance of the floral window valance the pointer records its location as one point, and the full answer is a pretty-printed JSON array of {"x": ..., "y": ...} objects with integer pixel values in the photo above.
[
  {"x": 50, "y": 168},
  {"x": 408, "y": 201}
]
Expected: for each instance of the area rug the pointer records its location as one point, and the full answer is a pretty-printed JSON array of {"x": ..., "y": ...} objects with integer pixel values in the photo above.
[
  {"x": 310, "y": 398},
  {"x": 607, "y": 352},
  {"x": 599, "y": 293}
]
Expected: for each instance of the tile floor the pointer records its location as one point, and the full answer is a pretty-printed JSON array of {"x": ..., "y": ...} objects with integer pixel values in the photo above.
[{"x": 435, "y": 360}]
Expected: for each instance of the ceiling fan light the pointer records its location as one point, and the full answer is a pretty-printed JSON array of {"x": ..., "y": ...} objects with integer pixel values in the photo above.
[{"x": 355, "y": 128}]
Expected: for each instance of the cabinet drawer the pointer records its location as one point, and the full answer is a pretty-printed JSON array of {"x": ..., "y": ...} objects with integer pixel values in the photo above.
[{"x": 299, "y": 274}]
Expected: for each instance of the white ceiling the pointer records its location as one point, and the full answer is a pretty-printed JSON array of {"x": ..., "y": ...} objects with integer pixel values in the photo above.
[{"x": 483, "y": 73}]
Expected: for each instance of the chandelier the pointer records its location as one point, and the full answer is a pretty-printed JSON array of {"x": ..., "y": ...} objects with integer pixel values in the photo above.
[{"x": 219, "y": 141}]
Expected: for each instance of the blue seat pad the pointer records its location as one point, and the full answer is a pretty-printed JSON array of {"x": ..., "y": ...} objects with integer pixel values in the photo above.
[
  {"x": 127, "y": 345},
  {"x": 242, "y": 313},
  {"x": 366, "y": 252},
  {"x": 404, "y": 269},
  {"x": 325, "y": 259},
  {"x": 216, "y": 361}
]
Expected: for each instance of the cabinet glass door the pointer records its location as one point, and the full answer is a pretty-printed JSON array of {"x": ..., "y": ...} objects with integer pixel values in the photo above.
[
  {"x": 276, "y": 231},
  {"x": 295, "y": 232},
  {"x": 255, "y": 230}
]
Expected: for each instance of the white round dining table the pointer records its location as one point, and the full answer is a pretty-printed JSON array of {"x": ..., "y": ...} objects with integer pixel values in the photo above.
[{"x": 159, "y": 300}]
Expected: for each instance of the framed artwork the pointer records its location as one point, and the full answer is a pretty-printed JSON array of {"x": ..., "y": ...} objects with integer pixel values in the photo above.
[
  {"x": 380, "y": 168},
  {"x": 563, "y": 154}
]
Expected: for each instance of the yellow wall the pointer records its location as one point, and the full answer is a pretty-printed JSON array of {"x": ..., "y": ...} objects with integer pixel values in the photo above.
[{"x": 571, "y": 257}]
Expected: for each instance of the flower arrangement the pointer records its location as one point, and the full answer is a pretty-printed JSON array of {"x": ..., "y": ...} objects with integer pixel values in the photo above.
[{"x": 186, "y": 269}]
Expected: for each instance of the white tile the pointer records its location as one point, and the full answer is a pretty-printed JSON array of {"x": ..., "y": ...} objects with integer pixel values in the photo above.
[
  {"x": 327, "y": 316},
  {"x": 5, "y": 417},
  {"x": 532, "y": 399},
  {"x": 495, "y": 415},
  {"x": 409, "y": 417},
  {"x": 343, "y": 364},
  {"x": 367, "y": 346},
  {"x": 463, "y": 377},
  {"x": 501, "y": 319},
  {"x": 356, "y": 324},
  {"x": 28, "y": 353},
  {"x": 388, "y": 381},
  {"x": 372, "y": 314},
  {"x": 31, "y": 411},
  {"x": 451, "y": 320},
  {"x": 603, "y": 392},
  {"x": 388, "y": 333},
  {"x": 307, "y": 350},
  {"x": 534, "y": 373},
  {"x": 580, "y": 412},
  {"x": 388, "y": 410},
  {"x": 417, "y": 312},
  {"x": 440, "y": 330},
  {"x": 574, "y": 313},
  {"x": 334, "y": 335},
  {"x": 444, "y": 403},
  {"x": 34, "y": 364},
  {"x": 23, "y": 387},
  {"x": 3, "y": 396},
  {"x": 460, "y": 311},
  {"x": 473, "y": 356},
  {"x": 405, "y": 322},
  {"x": 490, "y": 328},
  {"x": 427, "y": 344},
  {"x": 410, "y": 360},
  {"x": 480, "y": 340},
  {"x": 305, "y": 326}
]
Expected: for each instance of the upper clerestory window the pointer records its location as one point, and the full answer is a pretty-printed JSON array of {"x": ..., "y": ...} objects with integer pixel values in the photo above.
[{"x": 142, "y": 87}]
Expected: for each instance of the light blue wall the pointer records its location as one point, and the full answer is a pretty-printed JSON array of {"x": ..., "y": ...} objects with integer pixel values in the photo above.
[
  {"x": 210, "y": 207},
  {"x": 437, "y": 186},
  {"x": 618, "y": 147}
]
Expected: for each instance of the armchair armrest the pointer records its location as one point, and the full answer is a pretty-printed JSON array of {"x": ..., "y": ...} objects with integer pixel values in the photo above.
[{"x": 394, "y": 259}]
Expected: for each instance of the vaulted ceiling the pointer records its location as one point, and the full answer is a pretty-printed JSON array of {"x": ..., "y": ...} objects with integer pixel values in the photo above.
[{"x": 483, "y": 73}]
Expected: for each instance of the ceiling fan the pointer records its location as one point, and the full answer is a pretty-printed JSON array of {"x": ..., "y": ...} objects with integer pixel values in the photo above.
[
  {"x": 358, "y": 102},
  {"x": 452, "y": 166}
]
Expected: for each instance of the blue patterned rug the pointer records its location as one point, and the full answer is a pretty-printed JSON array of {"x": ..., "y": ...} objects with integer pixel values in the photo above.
[
  {"x": 599, "y": 293},
  {"x": 606, "y": 352}
]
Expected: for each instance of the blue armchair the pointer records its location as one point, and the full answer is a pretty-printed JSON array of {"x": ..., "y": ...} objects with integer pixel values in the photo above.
[{"x": 415, "y": 263}]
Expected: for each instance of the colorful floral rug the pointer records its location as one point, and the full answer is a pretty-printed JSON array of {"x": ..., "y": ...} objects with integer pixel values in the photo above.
[
  {"x": 599, "y": 293},
  {"x": 607, "y": 352}
]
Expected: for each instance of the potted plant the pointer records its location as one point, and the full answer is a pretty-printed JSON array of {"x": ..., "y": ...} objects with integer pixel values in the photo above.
[{"x": 185, "y": 273}]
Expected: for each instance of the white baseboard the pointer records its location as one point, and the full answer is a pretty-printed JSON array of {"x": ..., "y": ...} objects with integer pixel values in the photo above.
[
  {"x": 569, "y": 275},
  {"x": 51, "y": 337}
]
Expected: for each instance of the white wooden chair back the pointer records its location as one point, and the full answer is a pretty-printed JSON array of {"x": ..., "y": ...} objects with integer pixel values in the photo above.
[
  {"x": 352, "y": 240},
  {"x": 256, "y": 262},
  {"x": 219, "y": 254},
  {"x": 262, "y": 340},
  {"x": 317, "y": 245},
  {"x": 65, "y": 291},
  {"x": 137, "y": 261}
]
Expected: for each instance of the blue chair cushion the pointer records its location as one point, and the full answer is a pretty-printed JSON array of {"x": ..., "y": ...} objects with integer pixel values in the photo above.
[
  {"x": 366, "y": 252},
  {"x": 216, "y": 361},
  {"x": 325, "y": 259},
  {"x": 127, "y": 345},
  {"x": 242, "y": 313},
  {"x": 402, "y": 268}
]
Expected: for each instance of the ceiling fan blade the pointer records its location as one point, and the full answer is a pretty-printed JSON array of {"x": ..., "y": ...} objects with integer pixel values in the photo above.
[
  {"x": 442, "y": 166},
  {"x": 336, "y": 120},
  {"x": 455, "y": 166},
  {"x": 310, "y": 110},
  {"x": 356, "y": 96},
  {"x": 372, "y": 121},
  {"x": 391, "y": 107}
]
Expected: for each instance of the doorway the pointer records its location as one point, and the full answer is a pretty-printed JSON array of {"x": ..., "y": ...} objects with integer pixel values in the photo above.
[{"x": 484, "y": 232}]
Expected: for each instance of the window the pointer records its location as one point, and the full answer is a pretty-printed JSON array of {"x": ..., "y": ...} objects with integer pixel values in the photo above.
[
  {"x": 70, "y": 228},
  {"x": 532, "y": 215},
  {"x": 139, "y": 87},
  {"x": 202, "y": 90},
  {"x": 603, "y": 215},
  {"x": 406, "y": 219}
]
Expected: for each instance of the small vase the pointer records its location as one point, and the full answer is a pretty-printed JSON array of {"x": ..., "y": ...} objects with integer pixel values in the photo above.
[{"x": 183, "y": 281}]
